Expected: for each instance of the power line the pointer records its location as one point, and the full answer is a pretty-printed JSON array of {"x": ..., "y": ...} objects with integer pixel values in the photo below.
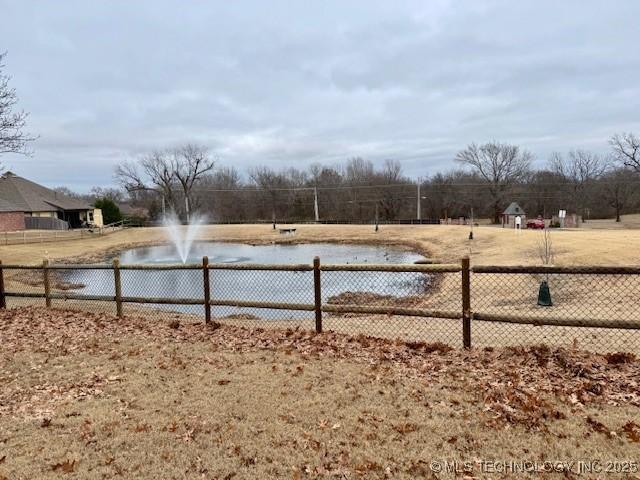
[{"x": 427, "y": 186}]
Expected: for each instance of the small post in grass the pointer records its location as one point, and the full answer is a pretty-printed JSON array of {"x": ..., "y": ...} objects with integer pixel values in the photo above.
[
  {"x": 3, "y": 298},
  {"x": 317, "y": 293},
  {"x": 47, "y": 284},
  {"x": 207, "y": 290},
  {"x": 118, "y": 286},
  {"x": 466, "y": 303}
]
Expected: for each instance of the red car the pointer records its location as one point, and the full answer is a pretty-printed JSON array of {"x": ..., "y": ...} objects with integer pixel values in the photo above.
[{"x": 537, "y": 223}]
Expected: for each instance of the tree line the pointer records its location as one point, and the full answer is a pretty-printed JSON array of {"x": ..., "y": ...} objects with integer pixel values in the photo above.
[{"x": 483, "y": 180}]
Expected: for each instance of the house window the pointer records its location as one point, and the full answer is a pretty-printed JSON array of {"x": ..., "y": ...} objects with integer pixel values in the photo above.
[{"x": 91, "y": 216}]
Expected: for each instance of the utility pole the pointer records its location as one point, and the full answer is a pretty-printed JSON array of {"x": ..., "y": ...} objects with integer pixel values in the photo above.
[
  {"x": 315, "y": 204},
  {"x": 377, "y": 218},
  {"x": 418, "y": 209}
]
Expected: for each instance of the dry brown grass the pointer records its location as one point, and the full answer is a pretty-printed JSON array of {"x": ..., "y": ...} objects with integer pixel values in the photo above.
[
  {"x": 626, "y": 221},
  {"x": 91, "y": 396},
  {"x": 492, "y": 245}
]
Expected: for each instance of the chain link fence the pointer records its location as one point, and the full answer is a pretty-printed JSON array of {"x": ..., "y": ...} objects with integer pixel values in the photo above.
[
  {"x": 594, "y": 308},
  {"x": 415, "y": 305}
]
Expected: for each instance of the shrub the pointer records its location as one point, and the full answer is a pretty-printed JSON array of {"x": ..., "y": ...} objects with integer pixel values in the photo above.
[{"x": 110, "y": 211}]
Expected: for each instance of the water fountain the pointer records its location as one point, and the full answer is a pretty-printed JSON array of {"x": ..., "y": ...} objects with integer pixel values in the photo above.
[
  {"x": 182, "y": 236},
  {"x": 282, "y": 287}
]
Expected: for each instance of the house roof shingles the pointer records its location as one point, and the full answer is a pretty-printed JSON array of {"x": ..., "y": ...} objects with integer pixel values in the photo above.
[
  {"x": 6, "y": 206},
  {"x": 27, "y": 196}
]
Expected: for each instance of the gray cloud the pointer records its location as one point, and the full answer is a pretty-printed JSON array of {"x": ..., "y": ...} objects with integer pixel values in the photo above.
[{"x": 290, "y": 83}]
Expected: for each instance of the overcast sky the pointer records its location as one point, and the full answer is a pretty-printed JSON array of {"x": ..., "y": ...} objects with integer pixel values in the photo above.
[{"x": 291, "y": 83}]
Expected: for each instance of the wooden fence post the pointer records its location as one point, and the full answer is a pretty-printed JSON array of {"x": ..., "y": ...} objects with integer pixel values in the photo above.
[
  {"x": 207, "y": 290},
  {"x": 3, "y": 298},
  {"x": 466, "y": 303},
  {"x": 118, "y": 286},
  {"x": 317, "y": 293},
  {"x": 47, "y": 284}
]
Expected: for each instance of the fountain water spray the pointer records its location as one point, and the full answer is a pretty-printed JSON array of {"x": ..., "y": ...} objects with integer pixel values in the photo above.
[{"x": 182, "y": 236}]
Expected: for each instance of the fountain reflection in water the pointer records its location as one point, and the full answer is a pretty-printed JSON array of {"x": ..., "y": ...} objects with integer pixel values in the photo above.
[{"x": 183, "y": 236}]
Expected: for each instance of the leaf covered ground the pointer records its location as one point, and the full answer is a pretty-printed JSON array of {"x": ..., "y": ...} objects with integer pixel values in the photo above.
[{"x": 92, "y": 396}]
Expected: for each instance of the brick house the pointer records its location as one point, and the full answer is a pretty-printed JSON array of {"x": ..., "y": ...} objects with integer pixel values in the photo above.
[
  {"x": 41, "y": 207},
  {"x": 11, "y": 217}
]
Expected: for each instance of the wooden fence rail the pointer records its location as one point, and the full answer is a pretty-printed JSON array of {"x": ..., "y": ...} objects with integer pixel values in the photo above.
[{"x": 466, "y": 314}]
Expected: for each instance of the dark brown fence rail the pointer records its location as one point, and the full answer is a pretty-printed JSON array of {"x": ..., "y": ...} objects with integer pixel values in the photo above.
[{"x": 591, "y": 307}]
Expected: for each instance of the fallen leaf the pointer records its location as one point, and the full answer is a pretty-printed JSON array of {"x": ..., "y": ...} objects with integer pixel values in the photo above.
[
  {"x": 599, "y": 427},
  {"x": 142, "y": 427},
  {"x": 632, "y": 430},
  {"x": 405, "y": 428},
  {"x": 66, "y": 466}
]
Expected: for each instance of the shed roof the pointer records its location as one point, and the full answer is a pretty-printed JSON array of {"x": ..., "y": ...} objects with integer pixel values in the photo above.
[
  {"x": 28, "y": 196},
  {"x": 513, "y": 209}
]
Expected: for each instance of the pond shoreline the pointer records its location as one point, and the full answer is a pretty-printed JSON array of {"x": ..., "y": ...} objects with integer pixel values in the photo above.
[{"x": 109, "y": 254}]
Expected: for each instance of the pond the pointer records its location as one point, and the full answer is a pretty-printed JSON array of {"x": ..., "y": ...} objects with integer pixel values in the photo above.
[{"x": 271, "y": 286}]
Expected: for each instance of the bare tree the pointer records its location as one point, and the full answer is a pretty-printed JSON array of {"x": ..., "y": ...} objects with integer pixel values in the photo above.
[
  {"x": 618, "y": 190},
  {"x": 545, "y": 250},
  {"x": 153, "y": 172},
  {"x": 359, "y": 170},
  {"x": 626, "y": 149},
  {"x": 580, "y": 169},
  {"x": 222, "y": 195},
  {"x": 67, "y": 192},
  {"x": 501, "y": 165},
  {"x": 544, "y": 193},
  {"x": 13, "y": 139},
  {"x": 273, "y": 187},
  {"x": 189, "y": 164},
  {"x": 545, "y": 247},
  {"x": 114, "y": 194},
  {"x": 332, "y": 201},
  {"x": 441, "y": 195},
  {"x": 390, "y": 198},
  {"x": 167, "y": 172}
]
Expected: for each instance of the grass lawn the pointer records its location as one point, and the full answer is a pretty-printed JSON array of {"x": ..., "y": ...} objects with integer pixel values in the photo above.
[
  {"x": 92, "y": 396},
  {"x": 491, "y": 246}
]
